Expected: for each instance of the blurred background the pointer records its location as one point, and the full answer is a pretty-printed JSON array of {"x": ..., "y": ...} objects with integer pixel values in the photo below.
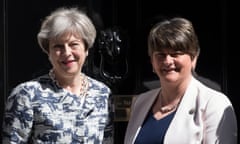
[{"x": 129, "y": 73}]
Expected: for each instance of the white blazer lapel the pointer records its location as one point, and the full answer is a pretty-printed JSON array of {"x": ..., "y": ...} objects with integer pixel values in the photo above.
[
  {"x": 184, "y": 117},
  {"x": 144, "y": 103}
]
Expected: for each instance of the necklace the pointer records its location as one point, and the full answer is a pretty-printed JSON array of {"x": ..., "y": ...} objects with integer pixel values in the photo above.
[
  {"x": 84, "y": 82},
  {"x": 166, "y": 109}
]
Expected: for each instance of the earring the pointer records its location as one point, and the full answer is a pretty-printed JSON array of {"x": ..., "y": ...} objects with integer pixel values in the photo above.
[{"x": 153, "y": 70}]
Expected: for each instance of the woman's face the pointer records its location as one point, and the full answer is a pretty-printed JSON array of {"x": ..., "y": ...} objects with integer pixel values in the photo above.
[
  {"x": 67, "y": 55},
  {"x": 171, "y": 66}
]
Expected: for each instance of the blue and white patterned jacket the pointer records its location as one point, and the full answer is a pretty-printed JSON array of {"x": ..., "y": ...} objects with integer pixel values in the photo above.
[{"x": 38, "y": 111}]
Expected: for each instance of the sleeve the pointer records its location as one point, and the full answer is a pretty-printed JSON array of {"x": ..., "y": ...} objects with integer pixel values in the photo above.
[
  {"x": 18, "y": 117},
  {"x": 109, "y": 129},
  {"x": 221, "y": 123}
]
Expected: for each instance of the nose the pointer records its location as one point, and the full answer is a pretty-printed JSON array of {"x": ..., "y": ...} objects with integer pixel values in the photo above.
[
  {"x": 168, "y": 59},
  {"x": 66, "y": 50}
]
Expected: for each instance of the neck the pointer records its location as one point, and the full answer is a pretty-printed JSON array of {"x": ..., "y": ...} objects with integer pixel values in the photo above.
[
  {"x": 168, "y": 104},
  {"x": 76, "y": 85}
]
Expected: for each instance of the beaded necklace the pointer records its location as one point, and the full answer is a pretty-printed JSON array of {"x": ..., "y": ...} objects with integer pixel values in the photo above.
[{"x": 84, "y": 82}]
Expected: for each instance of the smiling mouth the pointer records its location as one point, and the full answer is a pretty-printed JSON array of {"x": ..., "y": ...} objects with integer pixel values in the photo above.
[{"x": 68, "y": 62}]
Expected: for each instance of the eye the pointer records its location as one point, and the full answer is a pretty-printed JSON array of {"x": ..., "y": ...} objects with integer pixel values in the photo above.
[
  {"x": 176, "y": 54},
  {"x": 160, "y": 55},
  {"x": 58, "y": 46},
  {"x": 74, "y": 44}
]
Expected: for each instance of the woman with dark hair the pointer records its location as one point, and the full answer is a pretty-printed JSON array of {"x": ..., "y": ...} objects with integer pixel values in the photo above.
[{"x": 183, "y": 110}]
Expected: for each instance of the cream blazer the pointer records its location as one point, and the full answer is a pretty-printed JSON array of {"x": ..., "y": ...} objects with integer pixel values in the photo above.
[{"x": 204, "y": 116}]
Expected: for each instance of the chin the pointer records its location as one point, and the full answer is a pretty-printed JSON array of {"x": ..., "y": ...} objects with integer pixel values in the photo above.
[
  {"x": 171, "y": 78},
  {"x": 71, "y": 71}
]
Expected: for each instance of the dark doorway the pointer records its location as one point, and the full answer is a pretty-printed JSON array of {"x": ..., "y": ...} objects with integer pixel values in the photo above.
[{"x": 22, "y": 59}]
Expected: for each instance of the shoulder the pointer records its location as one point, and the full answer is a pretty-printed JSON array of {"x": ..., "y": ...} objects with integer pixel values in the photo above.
[
  {"x": 26, "y": 86},
  {"x": 150, "y": 92},
  {"x": 207, "y": 102},
  {"x": 211, "y": 96},
  {"x": 209, "y": 83},
  {"x": 31, "y": 86},
  {"x": 216, "y": 108},
  {"x": 95, "y": 84},
  {"x": 146, "y": 96}
]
